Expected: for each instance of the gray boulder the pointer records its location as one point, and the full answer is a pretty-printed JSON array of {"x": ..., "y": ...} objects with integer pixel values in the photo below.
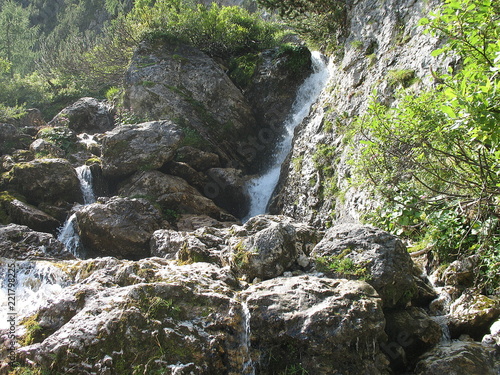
[
  {"x": 26, "y": 214},
  {"x": 171, "y": 193},
  {"x": 172, "y": 80},
  {"x": 21, "y": 243},
  {"x": 360, "y": 251},
  {"x": 121, "y": 227},
  {"x": 45, "y": 180},
  {"x": 458, "y": 357},
  {"x": 316, "y": 325},
  {"x": 87, "y": 115},
  {"x": 151, "y": 315},
  {"x": 473, "y": 314},
  {"x": 198, "y": 159},
  {"x": 129, "y": 148}
]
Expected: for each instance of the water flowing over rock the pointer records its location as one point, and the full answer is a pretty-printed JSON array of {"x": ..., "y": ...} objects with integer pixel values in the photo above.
[
  {"x": 87, "y": 115},
  {"x": 120, "y": 227},
  {"x": 369, "y": 253},
  {"x": 129, "y": 148},
  {"x": 319, "y": 325},
  {"x": 262, "y": 187}
]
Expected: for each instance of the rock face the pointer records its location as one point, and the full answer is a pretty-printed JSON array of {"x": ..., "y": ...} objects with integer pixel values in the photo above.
[
  {"x": 380, "y": 36},
  {"x": 229, "y": 191},
  {"x": 120, "y": 227},
  {"x": 20, "y": 242},
  {"x": 171, "y": 193},
  {"x": 25, "y": 214},
  {"x": 370, "y": 253},
  {"x": 45, "y": 181},
  {"x": 136, "y": 316},
  {"x": 129, "y": 148},
  {"x": 316, "y": 324},
  {"x": 177, "y": 81},
  {"x": 87, "y": 115},
  {"x": 460, "y": 357},
  {"x": 12, "y": 139},
  {"x": 473, "y": 314}
]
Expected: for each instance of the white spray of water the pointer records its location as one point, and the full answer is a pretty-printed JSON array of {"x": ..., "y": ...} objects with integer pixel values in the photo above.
[
  {"x": 262, "y": 187},
  {"x": 36, "y": 284},
  {"x": 85, "y": 176},
  {"x": 67, "y": 234},
  {"x": 248, "y": 366}
]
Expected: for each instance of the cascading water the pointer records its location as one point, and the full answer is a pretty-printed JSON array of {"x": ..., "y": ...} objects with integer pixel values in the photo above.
[
  {"x": 262, "y": 187},
  {"x": 67, "y": 234},
  {"x": 248, "y": 366},
  {"x": 85, "y": 176},
  {"x": 36, "y": 283}
]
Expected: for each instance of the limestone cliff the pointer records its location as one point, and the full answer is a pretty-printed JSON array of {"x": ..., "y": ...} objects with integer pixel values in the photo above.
[{"x": 384, "y": 50}]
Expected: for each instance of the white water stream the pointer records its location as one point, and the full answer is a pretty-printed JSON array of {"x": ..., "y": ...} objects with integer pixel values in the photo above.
[
  {"x": 36, "y": 283},
  {"x": 261, "y": 188},
  {"x": 248, "y": 366},
  {"x": 67, "y": 234}
]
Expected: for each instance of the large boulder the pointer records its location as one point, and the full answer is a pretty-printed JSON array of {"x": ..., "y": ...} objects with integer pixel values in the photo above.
[
  {"x": 458, "y": 357},
  {"x": 198, "y": 159},
  {"x": 25, "y": 214},
  {"x": 121, "y": 227},
  {"x": 87, "y": 115},
  {"x": 171, "y": 193},
  {"x": 129, "y": 148},
  {"x": 473, "y": 314},
  {"x": 267, "y": 246},
  {"x": 45, "y": 180},
  {"x": 21, "y": 243},
  {"x": 316, "y": 326},
  {"x": 360, "y": 251},
  {"x": 176, "y": 81},
  {"x": 144, "y": 317}
]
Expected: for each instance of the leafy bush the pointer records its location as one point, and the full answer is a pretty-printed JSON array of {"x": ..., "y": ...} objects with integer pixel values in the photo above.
[
  {"x": 435, "y": 158},
  {"x": 218, "y": 31}
]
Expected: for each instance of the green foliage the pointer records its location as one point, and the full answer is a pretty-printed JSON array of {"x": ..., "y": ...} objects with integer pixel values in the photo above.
[
  {"x": 219, "y": 31},
  {"x": 435, "y": 158},
  {"x": 318, "y": 21},
  {"x": 242, "y": 69},
  {"x": 297, "y": 57},
  {"x": 17, "y": 37},
  {"x": 342, "y": 266},
  {"x": 404, "y": 77},
  {"x": 60, "y": 136}
]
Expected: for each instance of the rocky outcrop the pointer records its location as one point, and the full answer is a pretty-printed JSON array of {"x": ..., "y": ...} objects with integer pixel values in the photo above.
[
  {"x": 45, "y": 181},
  {"x": 121, "y": 227},
  {"x": 21, "y": 243},
  {"x": 381, "y": 36},
  {"x": 371, "y": 254},
  {"x": 25, "y": 214},
  {"x": 459, "y": 357},
  {"x": 197, "y": 159},
  {"x": 87, "y": 115},
  {"x": 175, "y": 81},
  {"x": 171, "y": 193},
  {"x": 316, "y": 325},
  {"x": 473, "y": 314},
  {"x": 129, "y": 148}
]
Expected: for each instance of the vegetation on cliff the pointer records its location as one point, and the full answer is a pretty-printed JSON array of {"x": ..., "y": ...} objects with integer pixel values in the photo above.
[{"x": 435, "y": 157}]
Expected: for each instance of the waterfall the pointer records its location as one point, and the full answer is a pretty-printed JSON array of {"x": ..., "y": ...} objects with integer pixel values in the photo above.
[
  {"x": 261, "y": 188},
  {"x": 248, "y": 367},
  {"x": 85, "y": 176},
  {"x": 67, "y": 234},
  {"x": 36, "y": 283}
]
